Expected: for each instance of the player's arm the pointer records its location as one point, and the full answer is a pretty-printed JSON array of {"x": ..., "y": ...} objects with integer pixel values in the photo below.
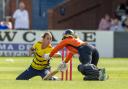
[
  {"x": 58, "y": 54},
  {"x": 68, "y": 57},
  {"x": 32, "y": 49},
  {"x": 47, "y": 52},
  {"x": 58, "y": 47}
]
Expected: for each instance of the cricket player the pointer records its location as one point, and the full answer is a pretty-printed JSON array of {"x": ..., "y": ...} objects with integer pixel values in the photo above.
[
  {"x": 39, "y": 66},
  {"x": 88, "y": 56}
]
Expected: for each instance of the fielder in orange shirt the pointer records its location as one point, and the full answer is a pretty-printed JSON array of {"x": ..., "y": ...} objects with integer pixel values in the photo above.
[{"x": 88, "y": 56}]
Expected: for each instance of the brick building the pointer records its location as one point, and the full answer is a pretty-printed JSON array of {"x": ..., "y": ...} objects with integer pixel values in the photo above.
[{"x": 81, "y": 14}]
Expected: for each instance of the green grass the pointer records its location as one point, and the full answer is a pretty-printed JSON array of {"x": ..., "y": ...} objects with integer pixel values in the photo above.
[{"x": 11, "y": 67}]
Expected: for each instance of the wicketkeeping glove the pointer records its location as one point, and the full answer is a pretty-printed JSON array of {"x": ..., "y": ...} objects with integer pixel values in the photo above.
[{"x": 62, "y": 66}]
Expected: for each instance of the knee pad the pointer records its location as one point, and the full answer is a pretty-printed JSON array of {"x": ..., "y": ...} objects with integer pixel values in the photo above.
[
  {"x": 90, "y": 78},
  {"x": 81, "y": 68},
  {"x": 88, "y": 69}
]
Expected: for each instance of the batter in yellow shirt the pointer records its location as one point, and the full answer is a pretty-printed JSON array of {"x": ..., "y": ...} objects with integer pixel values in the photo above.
[{"x": 39, "y": 62}]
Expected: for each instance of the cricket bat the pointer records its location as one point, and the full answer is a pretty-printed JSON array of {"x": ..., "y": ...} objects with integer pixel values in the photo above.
[
  {"x": 61, "y": 67},
  {"x": 48, "y": 76}
]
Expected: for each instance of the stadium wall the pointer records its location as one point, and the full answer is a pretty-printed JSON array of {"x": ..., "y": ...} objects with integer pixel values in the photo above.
[
  {"x": 110, "y": 44},
  {"x": 121, "y": 44}
]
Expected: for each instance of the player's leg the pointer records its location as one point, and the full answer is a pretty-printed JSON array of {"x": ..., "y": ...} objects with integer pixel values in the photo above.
[
  {"x": 85, "y": 54},
  {"x": 27, "y": 74},
  {"x": 43, "y": 73},
  {"x": 50, "y": 76},
  {"x": 95, "y": 57},
  {"x": 90, "y": 71}
]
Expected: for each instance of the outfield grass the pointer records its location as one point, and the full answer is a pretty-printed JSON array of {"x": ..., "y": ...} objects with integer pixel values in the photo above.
[{"x": 11, "y": 67}]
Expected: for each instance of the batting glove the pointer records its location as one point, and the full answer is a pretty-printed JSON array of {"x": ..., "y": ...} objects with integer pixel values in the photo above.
[{"x": 46, "y": 57}]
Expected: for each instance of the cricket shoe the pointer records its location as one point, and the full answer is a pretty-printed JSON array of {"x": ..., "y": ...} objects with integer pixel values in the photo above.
[
  {"x": 102, "y": 75},
  {"x": 55, "y": 78}
]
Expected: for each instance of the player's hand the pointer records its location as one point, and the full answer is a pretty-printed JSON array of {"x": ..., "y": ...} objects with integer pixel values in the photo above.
[
  {"x": 31, "y": 52},
  {"x": 46, "y": 57},
  {"x": 62, "y": 67}
]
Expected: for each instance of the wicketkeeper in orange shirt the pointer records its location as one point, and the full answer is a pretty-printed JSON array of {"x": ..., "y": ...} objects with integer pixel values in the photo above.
[{"x": 88, "y": 56}]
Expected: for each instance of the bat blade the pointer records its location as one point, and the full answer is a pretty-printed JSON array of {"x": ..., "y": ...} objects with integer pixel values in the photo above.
[{"x": 47, "y": 77}]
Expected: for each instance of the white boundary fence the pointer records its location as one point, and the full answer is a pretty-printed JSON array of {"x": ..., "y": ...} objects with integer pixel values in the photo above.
[{"x": 17, "y": 43}]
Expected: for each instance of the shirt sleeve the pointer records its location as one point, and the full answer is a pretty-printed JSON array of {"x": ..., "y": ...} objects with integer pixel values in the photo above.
[
  {"x": 68, "y": 57},
  {"x": 15, "y": 14},
  {"x": 34, "y": 45},
  {"x": 58, "y": 47}
]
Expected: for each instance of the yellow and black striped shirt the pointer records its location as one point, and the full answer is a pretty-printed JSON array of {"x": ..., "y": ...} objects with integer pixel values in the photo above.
[{"x": 39, "y": 62}]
